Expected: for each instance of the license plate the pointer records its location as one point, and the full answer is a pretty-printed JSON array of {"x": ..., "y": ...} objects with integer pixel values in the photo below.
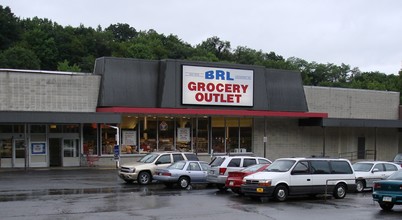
[
  {"x": 211, "y": 172},
  {"x": 231, "y": 183},
  {"x": 387, "y": 199},
  {"x": 260, "y": 190}
]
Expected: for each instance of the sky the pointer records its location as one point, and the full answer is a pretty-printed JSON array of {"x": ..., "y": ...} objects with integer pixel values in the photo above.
[{"x": 361, "y": 33}]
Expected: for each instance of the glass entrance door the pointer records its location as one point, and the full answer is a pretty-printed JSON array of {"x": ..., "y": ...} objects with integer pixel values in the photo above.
[{"x": 19, "y": 153}]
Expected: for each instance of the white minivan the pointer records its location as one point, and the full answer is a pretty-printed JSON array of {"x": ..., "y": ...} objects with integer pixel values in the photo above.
[{"x": 301, "y": 176}]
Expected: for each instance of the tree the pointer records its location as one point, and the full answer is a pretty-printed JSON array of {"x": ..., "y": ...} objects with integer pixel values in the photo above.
[
  {"x": 65, "y": 66},
  {"x": 122, "y": 32},
  {"x": 221, "y": 49},
  {"x": 19, "y": 58},
  {"x": 9, "y": 28}
]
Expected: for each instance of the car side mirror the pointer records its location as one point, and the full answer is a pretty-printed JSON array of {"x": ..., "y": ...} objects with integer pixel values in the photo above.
[
  {"x": 157, "y": 162},
  {"x": 375, "y": 170}
]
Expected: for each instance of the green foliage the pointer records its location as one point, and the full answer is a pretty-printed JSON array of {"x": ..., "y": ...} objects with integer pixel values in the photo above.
[
  {"x": 19, "y": 58},
  {"x": 41, "y": 43},
  {"x": 66, "y": 67},
  {"x": 9, "y": 28}
]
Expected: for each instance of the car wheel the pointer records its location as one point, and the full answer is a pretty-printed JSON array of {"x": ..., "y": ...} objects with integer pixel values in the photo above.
[
  {"x": 184, "y": 182},
  {"x": 339, "y": 191},
  {"x": 281, "y": 193},
  {"x": 360, "y": 185},
  {"x": 221, "y": 187},
  {"x": 144, "y": 178},
  {"x": 386, "y": 206}
]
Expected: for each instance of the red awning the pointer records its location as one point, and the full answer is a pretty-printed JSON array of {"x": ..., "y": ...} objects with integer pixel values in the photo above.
[{"x": 209, "y": 112}]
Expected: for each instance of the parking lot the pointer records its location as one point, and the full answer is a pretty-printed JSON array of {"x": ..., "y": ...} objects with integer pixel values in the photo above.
[{"x": 95, "y": 193}]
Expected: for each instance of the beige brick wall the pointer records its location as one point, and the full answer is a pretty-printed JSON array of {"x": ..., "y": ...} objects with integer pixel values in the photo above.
[
  {"x": 37, "y": 91},
  {"x": 287, "y": 139},
  {"x": 353, "y": 103}
]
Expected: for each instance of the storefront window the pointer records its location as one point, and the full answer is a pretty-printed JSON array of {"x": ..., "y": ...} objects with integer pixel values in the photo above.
[
  {"x": 38, "y": 129},
  {"x": 108, "y": 138},
  {"x": 129, "y": 135},
  {"x": 218, "y": 135},
  {"x": 6, "y": 129},
  {"x": 183, "y": 135},
  {"x": 246, "y": 125},
  {"x": 19, "y": 149},
  {"x": 73, "y": 128},
  {"x": 148, "y": 134},
  {"x": 232, "y": 134},
  {"x": 201, "y": 137},
  {"x": 70, "y": 148},
  {"x": 6, "y": 148},
  {"x": 53, "y": 128},
  {"x": 166, "y": 130},
  {"x": 90, "y": 139}
]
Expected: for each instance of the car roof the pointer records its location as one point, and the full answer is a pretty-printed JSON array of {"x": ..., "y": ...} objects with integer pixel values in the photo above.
[{"x": 312, "y": 158}]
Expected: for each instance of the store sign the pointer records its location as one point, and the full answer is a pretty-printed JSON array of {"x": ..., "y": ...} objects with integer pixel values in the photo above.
[
  {"x": 38, "y": 148},
  {"x": 217, "y": 86}
]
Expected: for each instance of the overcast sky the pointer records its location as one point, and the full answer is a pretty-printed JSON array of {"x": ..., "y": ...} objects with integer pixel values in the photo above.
[{"x": 361, "y": 33}]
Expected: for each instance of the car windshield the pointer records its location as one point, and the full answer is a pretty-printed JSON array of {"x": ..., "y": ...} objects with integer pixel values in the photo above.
[
  {"x": 149, "y": 158},
  {"x": 363, "y": 167},
  {"x": 280, "y": 166},
  {"x": 253, "y": 168},
  {"x": 217, "y": 161},
  {"x": 396, "y": 176},
  {"x": 178, "y": 165},
  {"x": 398, "y": 157}
]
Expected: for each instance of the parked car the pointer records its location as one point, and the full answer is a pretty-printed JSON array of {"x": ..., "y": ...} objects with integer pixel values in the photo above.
[
  {"x": 143, "y": 170},
  {"x": 369, "y": 171},
  {"x": 222, "y": 165},
  {"x": 388, "y": 192},
  {"x": 183, "y": 173},
  {"x": 235, "y": 178},
  {"x": 301, "y": 176},
  {"x": 398, "y": 159}
]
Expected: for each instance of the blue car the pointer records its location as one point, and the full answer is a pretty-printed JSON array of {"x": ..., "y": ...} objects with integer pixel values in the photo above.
[
  {"x": 183, "y": 173},
  {"x": 388, "y": 192}
]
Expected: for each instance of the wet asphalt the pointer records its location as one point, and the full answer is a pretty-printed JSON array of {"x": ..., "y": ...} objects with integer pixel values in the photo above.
[{"x": 98, "y": 193}]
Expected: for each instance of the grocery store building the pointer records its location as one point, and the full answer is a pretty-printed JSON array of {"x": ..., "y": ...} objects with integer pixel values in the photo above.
[{"x": 129, "y": 107}]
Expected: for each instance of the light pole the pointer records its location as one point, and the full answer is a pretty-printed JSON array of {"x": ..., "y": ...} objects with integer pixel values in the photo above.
[{"x": 117, "y": 146}]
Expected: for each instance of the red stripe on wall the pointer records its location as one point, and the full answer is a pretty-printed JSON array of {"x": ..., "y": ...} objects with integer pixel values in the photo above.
[{"x": 207, "y": 112}]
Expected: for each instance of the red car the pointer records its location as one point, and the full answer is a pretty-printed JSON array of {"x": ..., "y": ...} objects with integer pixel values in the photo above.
[{"x": 235, "y": 178}]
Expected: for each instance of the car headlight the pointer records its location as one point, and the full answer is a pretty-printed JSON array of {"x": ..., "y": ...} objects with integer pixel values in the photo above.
[
  {"x": 132, "y": 170},
  {"x": 264, "y": 183}
]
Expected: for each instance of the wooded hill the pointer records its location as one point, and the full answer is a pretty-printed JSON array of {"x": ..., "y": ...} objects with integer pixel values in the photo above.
[{"x": 41, "y": 44}]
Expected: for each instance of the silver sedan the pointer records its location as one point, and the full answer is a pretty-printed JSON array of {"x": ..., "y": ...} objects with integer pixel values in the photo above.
[{"x": 183, "y": 173}]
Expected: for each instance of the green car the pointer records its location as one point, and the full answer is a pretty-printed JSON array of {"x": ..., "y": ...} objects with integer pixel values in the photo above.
[{"x": 388, "y": 192}]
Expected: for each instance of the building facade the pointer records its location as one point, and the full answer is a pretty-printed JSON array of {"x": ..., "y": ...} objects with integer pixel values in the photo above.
[{"x": 129, "y": 107}]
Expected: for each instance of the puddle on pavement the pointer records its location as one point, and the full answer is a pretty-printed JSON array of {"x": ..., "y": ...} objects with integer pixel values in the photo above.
[{"x": 6, "y": 196}]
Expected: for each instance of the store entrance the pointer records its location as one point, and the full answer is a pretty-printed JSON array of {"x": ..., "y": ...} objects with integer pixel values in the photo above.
[{"x": 55, "y": 147}]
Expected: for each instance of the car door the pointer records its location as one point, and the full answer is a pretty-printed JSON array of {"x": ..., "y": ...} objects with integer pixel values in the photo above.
[
  {"x": 195, "y": 172},
  {"x": 300, "y": 179},
  {"x": 376, "y": 173},
  {"x": 320, "y": 170}
]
